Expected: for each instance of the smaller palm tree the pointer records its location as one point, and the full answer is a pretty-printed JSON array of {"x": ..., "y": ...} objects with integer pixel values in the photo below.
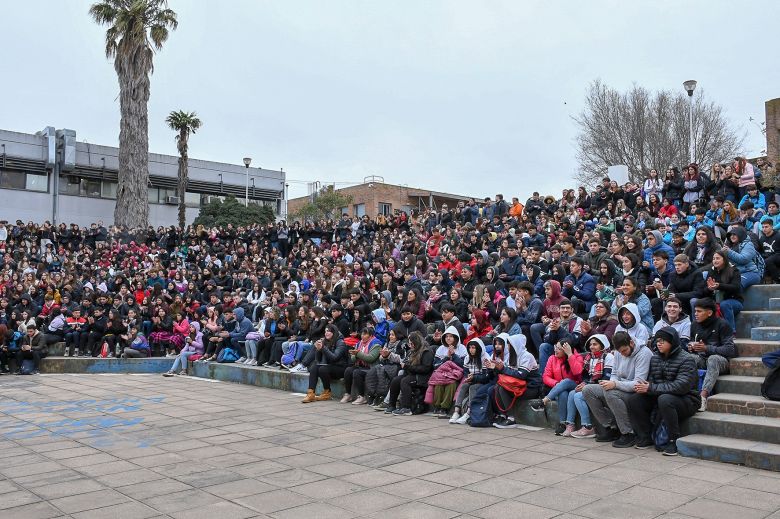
[{"x": 184, "y": 123}]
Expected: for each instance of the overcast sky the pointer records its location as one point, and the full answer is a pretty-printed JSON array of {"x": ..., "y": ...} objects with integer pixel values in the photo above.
[{"x": 471, "y": 97}]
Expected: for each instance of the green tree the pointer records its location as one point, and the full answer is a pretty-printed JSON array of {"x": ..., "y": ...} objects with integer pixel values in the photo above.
[
  {"x": 136, "y": 28},
  {"x": 326, "y": 204},
  {"x": 184, "y": 123},
  {"x": 219, "y": 214}
]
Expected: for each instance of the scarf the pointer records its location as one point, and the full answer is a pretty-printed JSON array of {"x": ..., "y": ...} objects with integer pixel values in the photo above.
[
  {"x": 363, "y": 347},
  {"x": 595, "y": 363}
]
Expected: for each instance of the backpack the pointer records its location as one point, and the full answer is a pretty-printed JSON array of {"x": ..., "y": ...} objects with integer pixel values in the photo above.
[
  {"x": 770, "y": 388},
  {"x": 418, "y": 400},
  {"x": 480, "y": 414},
  {"x": 227, "y": 355},
  {"x": 104, "y": 350},
  {"x": 289, "y": 357},
  {"x": 27, "y": 367},
  {"x": 660, "y": 436}
]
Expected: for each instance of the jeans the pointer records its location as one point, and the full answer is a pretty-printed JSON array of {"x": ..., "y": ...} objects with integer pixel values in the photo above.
[
  {"x": 730, "y": 308},
  {"x": 577, "y": 403},
  {"x": 181, "y": 361},
  {"x": 749, "y": 279},
  {"x": 560, "y": 393},
  {"x": 303, "y": 349},
  {"x": 545, "y": 352},
  {"x": 537, "y": 334},
  {"x": 251, "y": 349},
  {"x": 715, "y": 365}
]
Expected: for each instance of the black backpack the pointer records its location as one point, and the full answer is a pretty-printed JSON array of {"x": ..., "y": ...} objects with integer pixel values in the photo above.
[{"x": 770, "y": 389}]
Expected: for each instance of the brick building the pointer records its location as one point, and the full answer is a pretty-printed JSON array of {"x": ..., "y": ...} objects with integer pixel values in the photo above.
[{"x": 374, "y": 197}]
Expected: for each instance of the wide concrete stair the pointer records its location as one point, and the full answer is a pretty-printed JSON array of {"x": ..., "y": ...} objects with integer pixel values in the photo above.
[
  {"x": 740, "y": 426},
  {"x": 57, "y": 363}
]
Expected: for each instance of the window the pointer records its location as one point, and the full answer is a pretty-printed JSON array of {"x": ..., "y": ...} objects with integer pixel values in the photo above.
[
  {"x": 109, "y": 190},
  {"x": 191, "y": 199},
  {"x": 343, "y": 210},
  {"x": 37, "y": 182},
  {"x": 69, "y": 185},
  {"x": 359, "y": 210},
  {"x": 165, "y": 193},
  {"x": 12, "y": 180},
  {"x": 90, "y": 188},
  {"x": 154, "y": 195},
  {"x": 385, "y": 209}
]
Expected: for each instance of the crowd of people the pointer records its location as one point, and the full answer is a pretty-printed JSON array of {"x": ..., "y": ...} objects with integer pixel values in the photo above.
[{"x": 618, "y": 304}]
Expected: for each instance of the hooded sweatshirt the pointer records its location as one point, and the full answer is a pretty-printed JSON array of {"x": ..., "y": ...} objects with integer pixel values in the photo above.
[
  {"x": 598, "y": 366},
  {"x": 551, "y": 308},
  {"x": 638, "y": 331},
  {"x": 629, "y": 369},
  {"x": 659, "y": 245},
  {"x": 381, "y": 326},
  {"x": 197, "y": 343},
  {"x": 442, "y": 352},
  {"x": 744, "y": 255},
  {"x": 243, "y": 325},
  {"x": 526, "y": 367}
]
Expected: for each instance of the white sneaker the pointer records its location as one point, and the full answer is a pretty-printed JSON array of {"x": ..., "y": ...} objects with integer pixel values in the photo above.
[
  {"x": 703, "y": 406},
  {"x": 252, "y": 362},
  {"x": 300, "y": 368},
  {"x": 464, "y": 418},
  {"x": 241, "y": 360},
  {"x": 454, "y": 418}
]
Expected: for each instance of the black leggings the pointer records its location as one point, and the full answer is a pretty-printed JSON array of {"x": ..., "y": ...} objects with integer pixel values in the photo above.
[
  {"x": 505, "y": 398},
  {"x": 402, "y": 385},
  {"x": 358, "y": 375},
  {"x": 672, "y": 408},
  {"x": 324, "y": 372}
]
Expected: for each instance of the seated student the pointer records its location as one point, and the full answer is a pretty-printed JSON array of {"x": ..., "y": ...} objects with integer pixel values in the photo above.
[
  {"x": 579, "y": 286},
  {"x": 769, "y": 238},
  {"x": 416, "y": 368},
  {"x": 673, "y": 316},
  {"x": 670, "y": 387},
  {"x": 602, "y": 322},
  {"x": 362, "y": 358},
  {"x": 562, "y": 374},
  {"x": 629, "y": 292},
  {"x": 722, "y": 284},
  {"x": 138, "y": 346},
  {"x": 472, "y": 368},
  {"x": 596, "y": 366},
  {"x": 76, "y": 323},
  {"x": 629, "y": 322},
  {"x": 386, "y": 368},
  {"x": 712, "y": 343},
  {"x": 512, "y": 359},
  {"x": 330, "y": 361},
  {"x": 567, "y": 327},
  {"x": 193, "y": 345},
  {"x": 55, "y": 330},
  {"x": 660, "y": 276},
  {"x": 607, "y": 399},
  {"x": 684, "y": 281},
  {"x": 33, "y": 347},
  {"x": 448, "y": 371},
  {"x": 743, "y": 255}
]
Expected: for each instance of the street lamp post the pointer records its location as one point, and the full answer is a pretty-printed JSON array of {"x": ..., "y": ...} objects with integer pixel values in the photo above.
[
  {"x": 247, "y": 162},
  {"x": 690, "y": 86}
]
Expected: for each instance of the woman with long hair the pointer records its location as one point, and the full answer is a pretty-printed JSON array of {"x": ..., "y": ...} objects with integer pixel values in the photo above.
[
  {"x": 416, "y": 369},
  {"x": 330, "y": 362}
]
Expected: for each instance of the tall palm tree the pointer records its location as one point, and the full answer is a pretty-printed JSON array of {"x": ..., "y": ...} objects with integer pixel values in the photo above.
[
  {"x": 136, "y": 29},
  {"x": 184, "y": 123}
]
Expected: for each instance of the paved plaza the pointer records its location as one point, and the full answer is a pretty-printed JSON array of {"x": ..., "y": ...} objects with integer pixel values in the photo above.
[{"x": 138, "y": 446}]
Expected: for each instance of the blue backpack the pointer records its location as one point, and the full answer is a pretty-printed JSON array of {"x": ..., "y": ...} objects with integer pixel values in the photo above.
[
  {"x": 660, "y": 436},
  {"x": 27, "y": 367},
  {"x": 480, "y": 413},
  {"x": 227, "y": 355},
  {"x": 289, "y": 357}
]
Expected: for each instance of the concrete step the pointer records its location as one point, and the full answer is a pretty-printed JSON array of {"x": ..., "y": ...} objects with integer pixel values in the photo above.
[
  {"x": 749, "y": 366},
  {"x": 740, "y": 384},
  {"x": 774, "y": 303},
  {"x": 57, "y": 349},
  {"x": 748, "y": 320},
  {"x": 751, "y": 348},
  {"x": 760, "y": 455},
  {"x": 97, "y": 365},
  {"x": 755, "y": 428},
  {"x": 764, "y": 333},
  {"x": 750, "y": 405},
  {"x": 757, "y": 297}
]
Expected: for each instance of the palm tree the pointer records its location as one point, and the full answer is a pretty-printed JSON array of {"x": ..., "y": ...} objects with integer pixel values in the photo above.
[
  {"x": 184, "y": 123},
  {"x": 136, "y": 29}
]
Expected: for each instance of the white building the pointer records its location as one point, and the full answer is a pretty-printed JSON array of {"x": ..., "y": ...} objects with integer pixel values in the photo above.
[{"x": 51, "y": 176}]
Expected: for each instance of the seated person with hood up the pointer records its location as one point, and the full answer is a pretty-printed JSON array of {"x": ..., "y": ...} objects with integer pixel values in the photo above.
[
  {"x": 448, "y": 371},
  {"x": 473, "y": 363},
  {"x": 670, "y": 387},
  {"x": 630, "y": 322},
  {"x": 597, "y": 366},
  {"x": 511, "y": 360}
]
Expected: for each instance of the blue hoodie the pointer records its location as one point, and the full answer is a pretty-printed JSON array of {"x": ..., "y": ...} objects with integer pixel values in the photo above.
[
  {"x": 243, "y": 325},
  {"x": 381, "y": 326}
]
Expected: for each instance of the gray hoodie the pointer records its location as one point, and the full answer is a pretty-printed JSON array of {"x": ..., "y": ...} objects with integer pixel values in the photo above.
[{"x": 628, "y": 370}]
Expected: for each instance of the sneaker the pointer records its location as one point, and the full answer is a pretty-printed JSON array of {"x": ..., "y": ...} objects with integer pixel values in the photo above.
[
  {"x": 241, "y": 360},
  {"x": 36, "y": 372},
  {"x": 584, "y": 432},
  {"x": 168, "y": 374},
  {"x": 65, "y": 353},
  {"x": 300, "y": 368},
  {"x": 560, "y": 429},
  {"x": 625, "y": 441},
  {"x": 644, "y": 443},
  {"x": 610, "y": 436},
  {"x": 537, "y": 405},
  {"x": 172, "y": 355},
  {"x": 404, "y": 411},
  {"x": 569, "y": 430},
  {"x": 455, "y": 417},
  {"x": 702, "y": 408},
  {"x": 389, "y": 409},
  {"x": 285, "y": 366},
  {"x": 670, "y": 449},
  {"x": 253, "y": 362},
  {"x": 360, "y": 401},
  {"x": 506, "y": 423},
  {"x": 347, "y": 398},
  {"x": 183, "y": 373},
  {"x": 464, "y": 418},
  {"x": 381, "y": 406}
]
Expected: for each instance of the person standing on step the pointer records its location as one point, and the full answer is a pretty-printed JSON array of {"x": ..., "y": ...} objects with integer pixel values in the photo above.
[
  {"x": 671, "y": 388},
  {"x": 607, "y": 399},
  {"x": 712, "y": 343},
  {"x": 331, "y": 356}
]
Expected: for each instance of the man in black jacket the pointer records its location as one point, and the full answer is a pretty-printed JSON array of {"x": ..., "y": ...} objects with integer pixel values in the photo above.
[
  {"x": 712, "y": 344},
  {"x": 671, "y": 386},
  {"x": 684, "y": 284},
  {"x": 770, "y": 249}
]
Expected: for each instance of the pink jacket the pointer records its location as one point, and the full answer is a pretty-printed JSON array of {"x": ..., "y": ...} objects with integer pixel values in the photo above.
[
  {"x": 558, "y": 369},
  {"x": 447, "y": 373},
  {"x": 182, "y": 327}
]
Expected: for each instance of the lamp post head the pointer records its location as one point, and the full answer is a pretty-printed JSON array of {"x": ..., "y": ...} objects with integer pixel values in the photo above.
[
  {"x": 248, "y": 160},
  {"x": 690, "y": 86}
]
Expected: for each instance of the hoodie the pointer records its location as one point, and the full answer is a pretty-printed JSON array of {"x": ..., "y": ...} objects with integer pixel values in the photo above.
[
  {"x": 629, "y": 369},
  {"x": 442, "y": 352},
  {"x": 243, "y": 325},
  {"x": 381, "y": 326},
  {"x": 197, "y": 343},
  {"x": 480, "y": 356},
  {"x": 525, "y": 367},
  {"x": 598, "y": 366},
  {"x": 638, "y": 331},
  {"x": 659, "y": 245},
  {"x": 682, "y": 326},
  {"x": 744, "y": 256},
  {"x": 551, "y": 309}
]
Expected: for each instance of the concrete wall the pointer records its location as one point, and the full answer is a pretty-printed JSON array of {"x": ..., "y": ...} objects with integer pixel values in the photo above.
[{"x": 773, "y": 131}]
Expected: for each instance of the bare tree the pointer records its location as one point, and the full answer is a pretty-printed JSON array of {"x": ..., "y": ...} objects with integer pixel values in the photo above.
[{"x": 645, "y": 130}]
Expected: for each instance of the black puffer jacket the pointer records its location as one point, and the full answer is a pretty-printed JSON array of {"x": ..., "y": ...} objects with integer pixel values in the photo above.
[{"x": 675, "y": 373}]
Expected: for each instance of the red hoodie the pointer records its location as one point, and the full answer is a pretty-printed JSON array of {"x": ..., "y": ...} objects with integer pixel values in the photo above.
[{"x": 551, "y": 309}]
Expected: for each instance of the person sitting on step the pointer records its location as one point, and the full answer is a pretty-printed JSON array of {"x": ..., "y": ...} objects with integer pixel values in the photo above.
[{"x": 712, "y": 343}]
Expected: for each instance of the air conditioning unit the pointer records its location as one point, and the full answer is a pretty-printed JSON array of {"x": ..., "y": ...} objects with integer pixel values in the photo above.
[{"x": 172, "y": 200}]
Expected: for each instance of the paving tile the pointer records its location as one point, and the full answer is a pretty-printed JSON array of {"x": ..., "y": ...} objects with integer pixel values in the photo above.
[
  {"x": 506, "y": 509},
  {"x": 79, "y": 486},
  {"x": 503, "y": 487},
  {"x": 314, "y": 511},
  {"x": 608, "y": 509},
  {"x": 414, "y": 511},
  {"x": 239, "y": 488},
  {"x": 273, "y": 501},
  {"x": 415, "y": 488},
  {"x": 374, "y": 478},
  {"x": 747, "y": 497},
  {"x": 222, "y": 510},
  {"x": 461, "y": 500},
  {"x": 709, "y": 508},
  {"x": 40, "y": 510},
  {"x": 131, "y": 510},
  {"x": 563, "y": 500},
  {"x": 367, "y": 502},
  {"x": 90, "y": 500},
  {"x": 414, "y": 468},
  {"x": 456, "y": 477}
]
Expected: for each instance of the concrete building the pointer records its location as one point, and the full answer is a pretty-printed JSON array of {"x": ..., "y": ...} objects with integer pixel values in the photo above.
[
  {"x": 374, "y": 197},
  {"x": 50, "y": 176}
]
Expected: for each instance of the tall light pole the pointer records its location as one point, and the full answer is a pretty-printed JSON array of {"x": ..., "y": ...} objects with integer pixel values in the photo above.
[
  {"x": 247, "y": 162},
  {"x": 690, "y": 86}
]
